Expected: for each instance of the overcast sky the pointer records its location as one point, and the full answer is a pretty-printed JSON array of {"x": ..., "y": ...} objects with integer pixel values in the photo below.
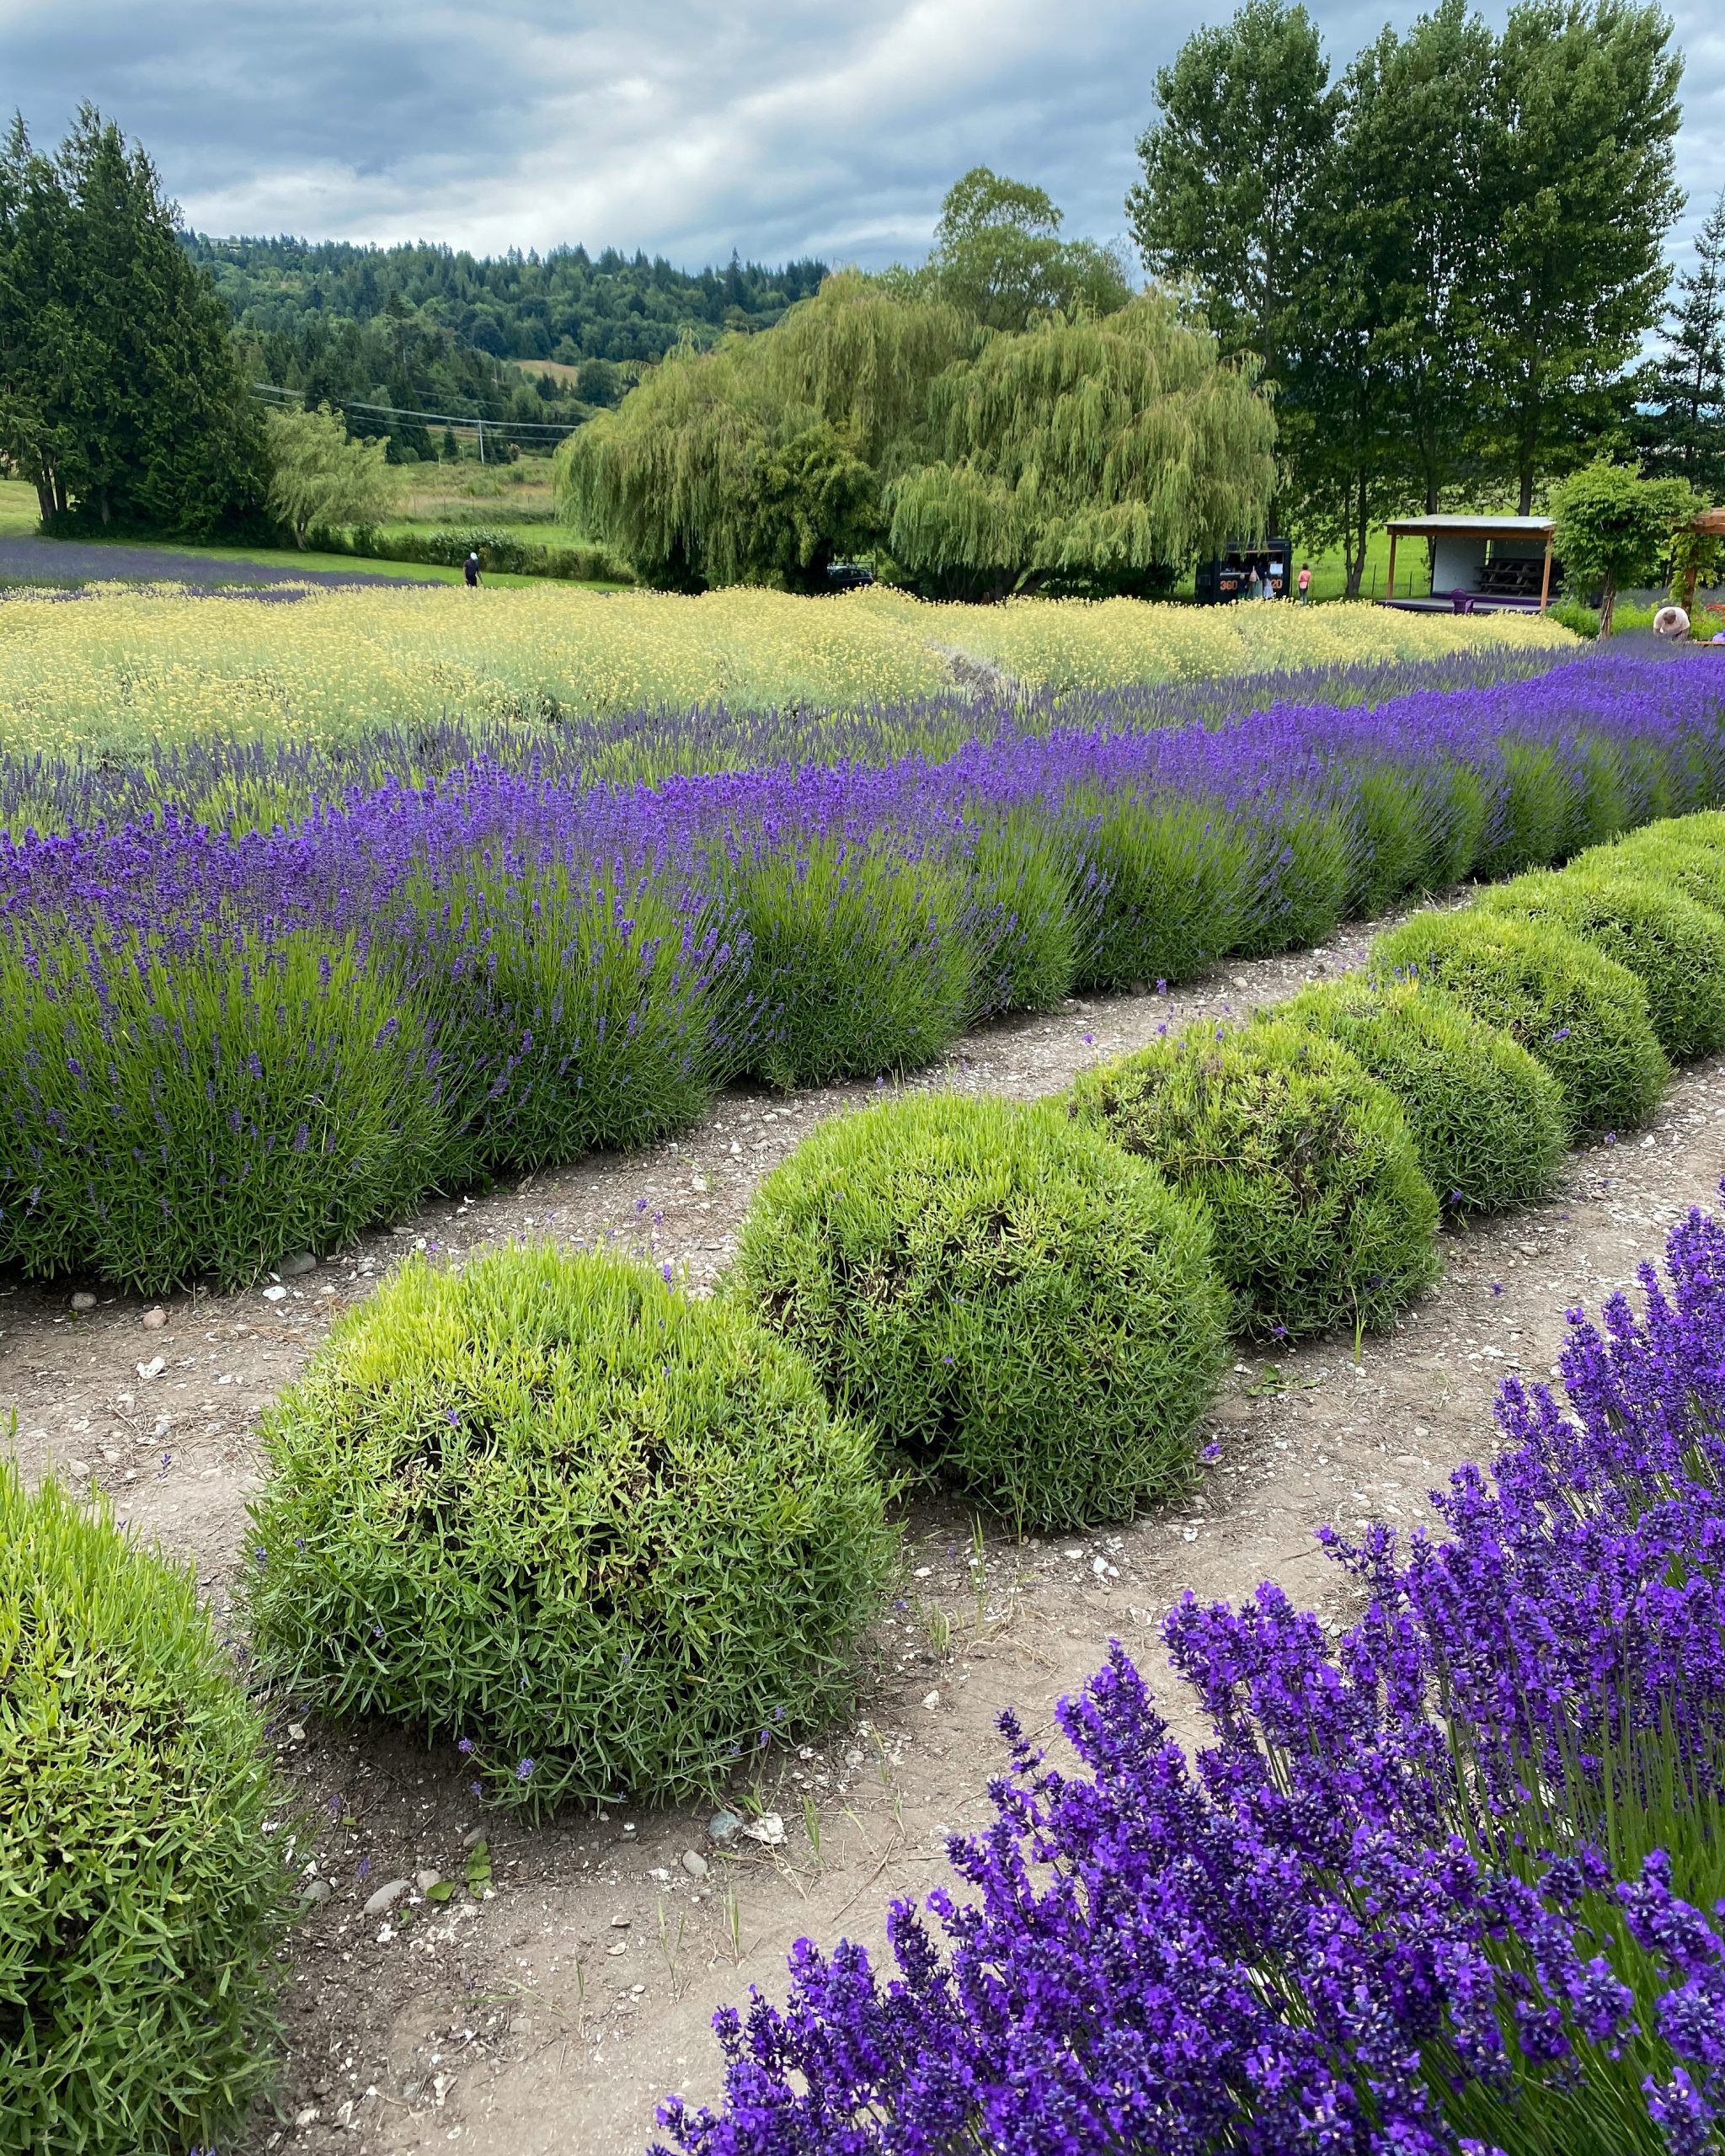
[{"x": 779, "y": 128}]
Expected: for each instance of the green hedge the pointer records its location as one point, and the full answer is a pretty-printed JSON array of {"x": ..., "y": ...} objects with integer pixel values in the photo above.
[
  {"x": 1031, "y": 1318},
  {"x": 1675, "y": 948},
  {"x": 501, "y": 549},
  {"x": 1305, "y": 1164},
  {"x": 1582, "y": 1015},
  {"x": 142, "y": 1903},
  {"x": 608, "y": 1539},
  {"x": 1488, "y": 1121}
]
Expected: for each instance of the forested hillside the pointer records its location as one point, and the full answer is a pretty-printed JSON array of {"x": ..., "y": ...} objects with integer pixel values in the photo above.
[{"x": 567, "y": 306}]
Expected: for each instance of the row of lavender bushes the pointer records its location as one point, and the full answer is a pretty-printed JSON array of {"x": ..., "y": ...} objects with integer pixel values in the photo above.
[
  {"x": 219, "y": 1045},
  {"x": 249, "y": 784},
  {"x": 1450, "y": 1885}
]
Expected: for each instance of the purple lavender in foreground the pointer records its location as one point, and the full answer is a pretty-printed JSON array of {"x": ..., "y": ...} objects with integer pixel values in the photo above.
[{"x": 1378, "y": 1921}]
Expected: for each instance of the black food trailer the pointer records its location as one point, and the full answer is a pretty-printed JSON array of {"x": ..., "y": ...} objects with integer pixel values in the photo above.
[{"x": 1227, "y": 576}]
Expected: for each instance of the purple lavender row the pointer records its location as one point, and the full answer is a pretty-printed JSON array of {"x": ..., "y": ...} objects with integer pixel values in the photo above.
[
  {"x": 1452, "y": 1886},
  {"x": 532, "y": 966}
]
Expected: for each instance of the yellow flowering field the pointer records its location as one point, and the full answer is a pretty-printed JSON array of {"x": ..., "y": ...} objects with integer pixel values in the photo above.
[{"x": 130, "y": 663}]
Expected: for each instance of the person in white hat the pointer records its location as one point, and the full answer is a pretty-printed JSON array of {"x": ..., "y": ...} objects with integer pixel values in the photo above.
[{"x": 1671, "y": 622}]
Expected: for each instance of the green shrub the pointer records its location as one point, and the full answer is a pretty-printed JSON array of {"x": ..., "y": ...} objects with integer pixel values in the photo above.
[
  {"x": 1305, "y": 1164},
  {"x": 1488, "y": 1122},
  {"x": 861, "y": 960},
  {"x": 553, "y": 1508},
  {"x": 1029, "y": 1316},
  {"x": 1675, "y": 948},
  {"x": 1176, "y": 884},
  {"x": 1583, "y": 1016},
  {"x": 142, "y": 1903},
  {"x": 1301, "y": 878},
  {"x": 210, "y": 1113}
]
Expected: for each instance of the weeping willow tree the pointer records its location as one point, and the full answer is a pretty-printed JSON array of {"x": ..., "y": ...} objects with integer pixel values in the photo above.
[
  {"x": 761, "y": 460},
  {"x": 1090, "y": 454},
  {"x": 1093, "y": 453}
]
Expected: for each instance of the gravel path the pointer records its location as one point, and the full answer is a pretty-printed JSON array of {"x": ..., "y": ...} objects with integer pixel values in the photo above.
[{"x": 35, "y": 561}]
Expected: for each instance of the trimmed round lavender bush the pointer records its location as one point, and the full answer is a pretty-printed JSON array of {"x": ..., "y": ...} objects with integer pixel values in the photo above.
[
  {"x": 1675, "y": 948},
  {"x": 1687, "y": 854},
  {"x": 1304, "y": 1163},
  {"x": 206, "y": 1111},
  {"x": 574, "y": 1009},
  {"x": 1488, "y": 1122},
  {"x": 1030, "y": 1318},
  {"x": 146, "y": 1899},
  {"x": 604, "y": 1537},
  {"x": 860, "y": 957},
  {"x": 1177, "y": 881},
  {"x": 1581, "y": 1014}
]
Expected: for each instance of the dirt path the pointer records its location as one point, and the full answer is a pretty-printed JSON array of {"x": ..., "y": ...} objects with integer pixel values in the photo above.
[{"x": 550, "y": 2015}]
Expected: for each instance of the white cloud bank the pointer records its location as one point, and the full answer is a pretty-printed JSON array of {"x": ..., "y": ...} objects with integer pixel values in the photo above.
[{"x": 779, "y": 128}]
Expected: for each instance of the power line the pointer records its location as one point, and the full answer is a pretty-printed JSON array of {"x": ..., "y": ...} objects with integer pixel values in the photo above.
[{"x": 559, "y": 428}]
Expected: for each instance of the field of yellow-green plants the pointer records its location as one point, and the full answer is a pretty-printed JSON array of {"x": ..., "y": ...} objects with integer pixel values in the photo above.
[{"x": 129, "y": 665}]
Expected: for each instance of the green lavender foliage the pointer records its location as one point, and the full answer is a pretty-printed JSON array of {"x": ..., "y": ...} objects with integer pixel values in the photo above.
[
  {"x": 1685, "y": 853},
  {"x": 1031, "y": 913},
  {"x": 1582, "y": 1015},
  {"x": 1536, "y": 813},
  {"x": 569, "y": 1020},
  {"x": 1304, "y": 1163},
  {"x": 1176, "y": 879},
  {"x": 1302, "y": 879},
  {"x": 1488, "y": 1122},
  {"x": 859, "y": 962},
  {"x": 1029, "y": 1316},
  {"x": 608, "y": 1538},
  {"x": 1675, "y": 948},
  {"x": 207, "y": 1115},
  {"x": 142, "y": 1901}
]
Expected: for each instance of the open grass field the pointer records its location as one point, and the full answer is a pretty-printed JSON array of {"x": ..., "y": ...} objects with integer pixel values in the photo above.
[{"x": 142, "y": 665}]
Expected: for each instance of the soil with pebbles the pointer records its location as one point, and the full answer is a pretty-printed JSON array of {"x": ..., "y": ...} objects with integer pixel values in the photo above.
[{"x": 548, "y": 2008}]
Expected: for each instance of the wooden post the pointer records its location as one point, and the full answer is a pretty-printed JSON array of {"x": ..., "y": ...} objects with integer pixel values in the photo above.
[
  {"x": 1392, "y": 565},
  {"x": 1545, "y": 578}
]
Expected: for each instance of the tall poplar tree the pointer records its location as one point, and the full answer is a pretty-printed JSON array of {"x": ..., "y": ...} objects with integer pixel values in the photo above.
[
  {"x": 120, "y": 396},
  {"x": 1681, "y": 429},
  {"x": 1578, "y": 184},
  {"x": 1234, "y": 164}
]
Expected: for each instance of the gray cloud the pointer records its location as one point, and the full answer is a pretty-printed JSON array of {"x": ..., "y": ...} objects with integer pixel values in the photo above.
[{"x": 776, "y": 128}]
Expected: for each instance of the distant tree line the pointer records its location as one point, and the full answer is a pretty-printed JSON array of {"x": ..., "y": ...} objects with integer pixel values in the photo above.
[
  {"x": 566, "y": 305},
  {"x": 412, "y": 363},
  {"x": 1446, "y": 260},
  {"x": 430, "y": 329}
]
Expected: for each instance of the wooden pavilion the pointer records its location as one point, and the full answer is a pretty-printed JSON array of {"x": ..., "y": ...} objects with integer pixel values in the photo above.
[{"x": 1480, "y": 564}]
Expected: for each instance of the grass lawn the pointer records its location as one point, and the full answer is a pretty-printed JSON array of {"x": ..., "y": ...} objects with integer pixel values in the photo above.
[
  {"x": 19, "y": 510},
  {"x": 1414, "y": 577}
]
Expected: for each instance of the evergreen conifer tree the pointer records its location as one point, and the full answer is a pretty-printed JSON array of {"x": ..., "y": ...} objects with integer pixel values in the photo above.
[
  {"x": 1681, "y": 427},
  {"x": 119, "y": 395}
]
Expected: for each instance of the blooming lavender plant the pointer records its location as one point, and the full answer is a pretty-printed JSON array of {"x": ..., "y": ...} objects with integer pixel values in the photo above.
[{"x": 1442, "y": 1890}]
